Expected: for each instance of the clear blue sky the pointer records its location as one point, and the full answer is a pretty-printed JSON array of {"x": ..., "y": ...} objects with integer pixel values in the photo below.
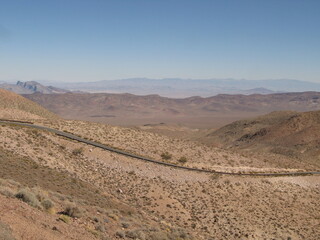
[{"x": 91, "y": 40}]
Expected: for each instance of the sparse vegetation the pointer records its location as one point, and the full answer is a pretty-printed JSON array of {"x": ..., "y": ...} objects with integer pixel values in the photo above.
[
  {"x": 152, "y": 199},
  {"x": 125, "y": 225},
  {"x": 47, "y": 204},
  {"x": 182, "y": 160},
  {"x": 77, "y": 151},
  {"x": 136, "y": 234},
  {"x": 166, "y": 156},
  {"x": 120, "y": 234},
  {"x": 29, "y": 197},
  {"x": 73, "y": 211},
  {"x": 215, "y": 176}
]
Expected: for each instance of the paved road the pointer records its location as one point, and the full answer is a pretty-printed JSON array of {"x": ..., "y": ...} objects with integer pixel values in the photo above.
[{"x": 105, "y": 147}]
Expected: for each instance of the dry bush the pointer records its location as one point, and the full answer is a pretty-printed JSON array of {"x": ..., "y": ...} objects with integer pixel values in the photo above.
[
  {"x": 40, "y": 193},
  {"x": 166, "y": 156},
  {"x": 179, "y": 233},
  {"x": 47, "y": 204},
  {"x": 174, "y": 234},
  {"x": 120, "y": 234},
  {"x": 125, "y": 225},
  {"x": 77, "y": 151},
  {"x": 159, "y": 236},
  {"x": 100, "y": 228},
  {"x": 136, "y": 234},
  {"x": 215, "y": 176},
  {"x": 73, "y": 211},
  {"x": 182, "y": 160},
  {"x": 29, "y": 197}
]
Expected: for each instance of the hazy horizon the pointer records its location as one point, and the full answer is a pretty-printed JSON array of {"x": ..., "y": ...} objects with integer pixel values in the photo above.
[{"x": 42, "y": 81}]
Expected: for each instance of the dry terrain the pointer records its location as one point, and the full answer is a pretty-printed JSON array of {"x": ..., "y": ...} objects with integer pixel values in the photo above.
[
  {"x": 102, "y": 195},
  {"x": 14, "y": 106},
  {"x": 290, "y": 134},
  {"x": 195, "y": 112}
]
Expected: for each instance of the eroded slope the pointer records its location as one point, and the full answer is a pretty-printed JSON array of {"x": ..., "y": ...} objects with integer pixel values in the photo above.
[{"x": 290, "y": 134}]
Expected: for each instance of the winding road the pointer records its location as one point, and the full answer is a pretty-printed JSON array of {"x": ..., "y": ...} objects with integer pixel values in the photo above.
[{"x": 105, "y": 147}]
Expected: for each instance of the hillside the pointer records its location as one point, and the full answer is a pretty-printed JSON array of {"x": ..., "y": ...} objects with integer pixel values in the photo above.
[
  {"x": 292, "y": 134},
  {"x": 132, "y": 110},
  {"x": 14, "y": 106},
  {"x": 55, "y": 188},
  {"x": 159, "y": 197}
]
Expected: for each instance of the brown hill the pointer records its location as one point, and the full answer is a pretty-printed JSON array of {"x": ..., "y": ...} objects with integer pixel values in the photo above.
[
  {"x": 14, "y": 106},
  {"x": 128, "y": 109},
  {"x": 293, "y": 134}
]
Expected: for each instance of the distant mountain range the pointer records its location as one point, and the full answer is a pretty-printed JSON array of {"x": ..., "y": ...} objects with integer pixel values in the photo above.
[
  {"x": 132, "y": 110},
  {"x": 179, "y": 88},
  {"x": 168, "y": 87},
  {"x": 31, "y": 87}
]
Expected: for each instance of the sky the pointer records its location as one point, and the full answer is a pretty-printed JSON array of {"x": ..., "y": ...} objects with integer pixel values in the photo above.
[{"x": 92, "y": 40}]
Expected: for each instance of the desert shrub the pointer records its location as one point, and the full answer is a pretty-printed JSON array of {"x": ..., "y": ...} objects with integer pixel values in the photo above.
[
  {"x": 62, "y": 147},
  {"x": 227, "y": 181},
  {"x": 166, "y": 156},
  {"x": 113, "y": 214},
  {"x": 125, "y": 225},
  {"x": 73, "y": 211},
  {"x": 40, "y": 194},
  {"x": 182, "y": 160},
  {"x": 158, "y": 236},
  {"x": 47, "y": 204},
  {"x": 77, "y": 151},
  {"x": 100, "y": 228},
  {"x": 215, "y": 176},
  {"x": 58, "y": 196},
  {"x": 136, "y": 234},
  {"x": 120, "y": 234},
  {"x": 29, "y": 197},
  {"x": 178, "y": 233}
]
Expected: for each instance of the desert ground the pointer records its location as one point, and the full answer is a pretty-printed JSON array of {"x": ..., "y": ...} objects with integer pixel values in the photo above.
[{"x": 55, "y": 188}]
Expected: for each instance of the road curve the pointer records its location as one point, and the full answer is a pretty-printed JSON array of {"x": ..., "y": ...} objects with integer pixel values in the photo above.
[{"x": 105, "y": 147}]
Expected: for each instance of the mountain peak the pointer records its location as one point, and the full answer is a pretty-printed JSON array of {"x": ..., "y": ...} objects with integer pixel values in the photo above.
[{"x": 30, "y": 87}]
